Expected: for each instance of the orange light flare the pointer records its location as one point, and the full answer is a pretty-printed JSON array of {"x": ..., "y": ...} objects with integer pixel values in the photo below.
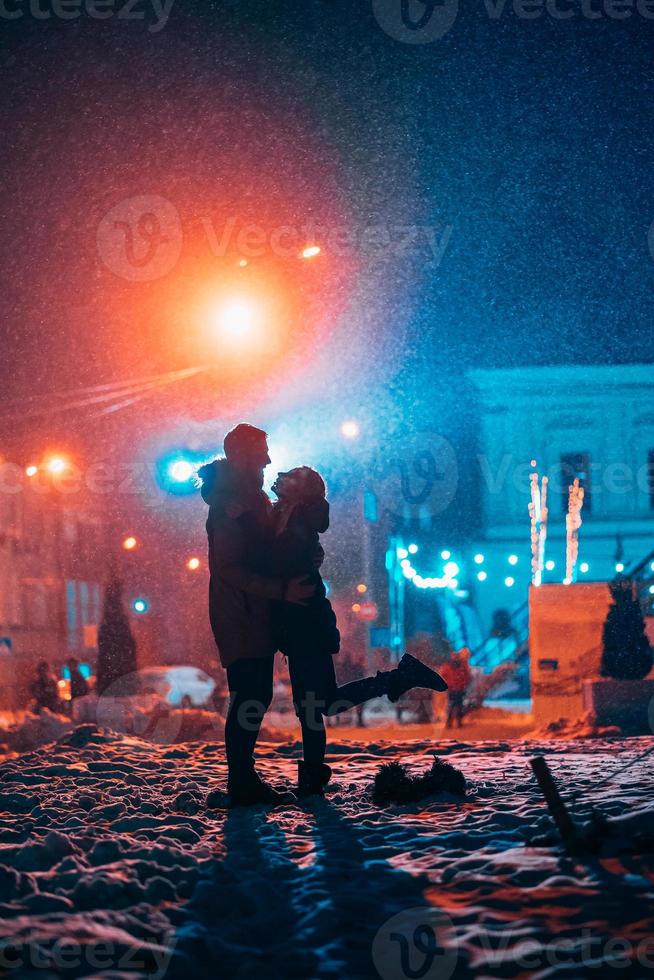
[
  {"x": 193, "y": 564},
  {"x": 31, "y": 470},
  {"x": 310, "y": 252},
  {"x": 130, "y": 543},
  {"x": 362, "y": 588}
]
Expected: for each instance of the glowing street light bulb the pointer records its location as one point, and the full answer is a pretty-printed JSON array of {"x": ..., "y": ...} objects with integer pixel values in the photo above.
[
  {"x": 130, "y": 543},
  {"x": 56, "y": 465},
  {"x": 310, "y": 251},
  {"x": 350, "y": 429},
  {"x": 236, "y": 319},
  {"x": 181, "y": 470},
  {"x": 193, "y": 564}
]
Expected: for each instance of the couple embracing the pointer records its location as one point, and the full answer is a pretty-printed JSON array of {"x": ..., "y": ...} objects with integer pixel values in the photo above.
[{"x": 266, "y": 594}]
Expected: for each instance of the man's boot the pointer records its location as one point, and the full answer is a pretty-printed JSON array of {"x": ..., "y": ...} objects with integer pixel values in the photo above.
[
  {"x": 252, "y": 790},
  {"x": 312, "y": 779},
  {"x": 411, "y": 673}
]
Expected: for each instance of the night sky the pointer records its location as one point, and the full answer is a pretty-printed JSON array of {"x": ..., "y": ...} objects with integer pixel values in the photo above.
[{"x": 526, "y": 142}]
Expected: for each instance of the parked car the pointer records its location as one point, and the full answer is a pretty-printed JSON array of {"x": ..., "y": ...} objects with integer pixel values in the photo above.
[{"x": 180, "y": 686}]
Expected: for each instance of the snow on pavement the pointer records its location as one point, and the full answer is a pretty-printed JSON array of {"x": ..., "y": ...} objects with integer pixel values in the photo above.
[{"x": 112, "y": 864}]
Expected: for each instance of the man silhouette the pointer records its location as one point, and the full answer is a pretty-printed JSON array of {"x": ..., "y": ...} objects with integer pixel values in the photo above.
[{"x": 240, "y": 600}]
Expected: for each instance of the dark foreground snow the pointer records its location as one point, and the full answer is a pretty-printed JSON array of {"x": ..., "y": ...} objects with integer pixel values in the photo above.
[{"x": 111, "y": 864}]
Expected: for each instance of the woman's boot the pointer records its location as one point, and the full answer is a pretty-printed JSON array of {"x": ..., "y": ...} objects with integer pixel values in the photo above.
[
  {"x": 411, "y": 673},
  {"x": 312, "y": 779}
]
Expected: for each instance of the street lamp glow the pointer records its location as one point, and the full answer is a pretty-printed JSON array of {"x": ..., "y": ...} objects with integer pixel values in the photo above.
[
  {"x": 181, "y": 470},
  {"x": 56, "y": 465},
  {"x": 350, "y": 429},
  {"x": 236, "y": 319}
]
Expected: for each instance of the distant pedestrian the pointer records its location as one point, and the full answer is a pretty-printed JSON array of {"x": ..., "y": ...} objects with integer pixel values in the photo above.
[
  {"x": 456, "y": 673},
  {"x": 79, "y": 687},
  {"x": 44, "y": 690}
]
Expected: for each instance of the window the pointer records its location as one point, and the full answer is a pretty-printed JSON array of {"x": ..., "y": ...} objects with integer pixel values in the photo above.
[{"x": 575, "y": 466}]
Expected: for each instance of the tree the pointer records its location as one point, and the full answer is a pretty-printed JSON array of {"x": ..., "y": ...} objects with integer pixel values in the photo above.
[
  {"x": 116, "y": 646},
  {"x": 627, "y": 654}
]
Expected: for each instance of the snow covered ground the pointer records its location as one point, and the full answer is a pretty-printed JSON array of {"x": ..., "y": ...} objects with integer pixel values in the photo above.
[{"x": 113, "y": 865}]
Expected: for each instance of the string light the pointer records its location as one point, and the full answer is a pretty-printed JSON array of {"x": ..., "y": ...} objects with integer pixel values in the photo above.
[
  {"x": 509, "y": 582},
  {"x": 482, "y": 576},
  {"x": 193, "y": 564},
  {"x": 130, "y": 543},
  {"x": 361, "y": 588},
  {"x": 478, "y": 559}
]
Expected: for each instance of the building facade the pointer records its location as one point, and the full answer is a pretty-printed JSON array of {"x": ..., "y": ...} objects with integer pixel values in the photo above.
[
  {"x": 591, "y": 423},
  {"x": 53, "y": 566}
]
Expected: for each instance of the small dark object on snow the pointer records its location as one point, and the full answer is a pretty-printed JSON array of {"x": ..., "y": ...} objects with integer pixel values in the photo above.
[
  {"x": 394, "y": 784},
  {"x": 627, "y": 654}
]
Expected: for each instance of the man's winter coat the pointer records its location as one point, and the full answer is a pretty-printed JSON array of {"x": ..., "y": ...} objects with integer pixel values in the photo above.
[{"x": 239, "y": 598}]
